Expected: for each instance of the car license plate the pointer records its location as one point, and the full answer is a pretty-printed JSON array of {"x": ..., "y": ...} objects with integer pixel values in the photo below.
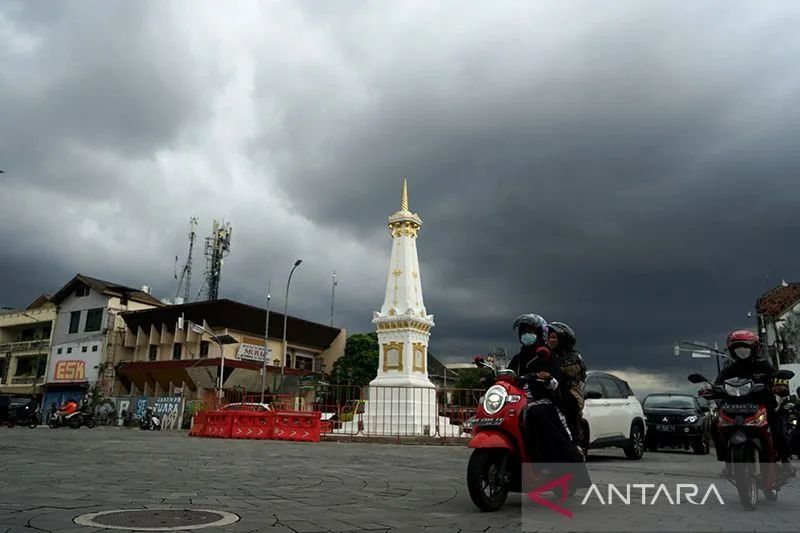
[
  {"x": 665, "y": 427},
  {"x": 487, "y": 422}
]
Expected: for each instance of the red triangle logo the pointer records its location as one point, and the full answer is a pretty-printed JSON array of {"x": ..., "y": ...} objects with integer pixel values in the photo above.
[{"x": 536, "y": 494}]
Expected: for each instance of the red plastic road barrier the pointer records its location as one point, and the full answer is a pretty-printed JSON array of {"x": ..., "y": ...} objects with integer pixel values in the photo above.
[
  {"x": 251, "y": 425},
  {"x": 219, "y": 424},
  {"x": 297, "y": 425},
  {"x": 198, "y": 425}
]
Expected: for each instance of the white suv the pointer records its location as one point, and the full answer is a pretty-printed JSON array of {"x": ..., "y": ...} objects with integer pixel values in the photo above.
[{"x": 612, "y": 416}]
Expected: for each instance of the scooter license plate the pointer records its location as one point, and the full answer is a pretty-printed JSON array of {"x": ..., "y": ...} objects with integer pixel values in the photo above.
[
  {"x": 487, "y": 422},
  {"x": 665, "y": 427}
]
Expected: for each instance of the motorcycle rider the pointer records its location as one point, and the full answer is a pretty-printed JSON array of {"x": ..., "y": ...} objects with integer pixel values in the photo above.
[
  {"x": 561, "y": 341},
  {"x": 547, "y": 433},
  {"x": 744, "y": 348}
]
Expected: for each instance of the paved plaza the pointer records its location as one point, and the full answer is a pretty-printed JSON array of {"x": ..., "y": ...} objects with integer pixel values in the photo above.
[{"x": 48, "y": 477}]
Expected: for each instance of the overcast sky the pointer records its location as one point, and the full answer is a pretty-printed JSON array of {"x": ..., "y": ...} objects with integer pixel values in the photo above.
[{"x": 631, "y": 169}]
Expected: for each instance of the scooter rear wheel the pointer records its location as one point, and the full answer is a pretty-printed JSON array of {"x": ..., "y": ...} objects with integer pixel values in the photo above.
[{"x": 487, "y": 479}]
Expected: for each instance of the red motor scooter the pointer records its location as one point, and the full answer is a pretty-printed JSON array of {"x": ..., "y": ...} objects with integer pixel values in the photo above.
[
  {"x": 744, "y": 428},
  {"x": 495, "y": 466}
]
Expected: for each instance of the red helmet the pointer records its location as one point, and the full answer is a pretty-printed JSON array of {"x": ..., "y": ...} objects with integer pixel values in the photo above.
[{"x": 743, "y": 344}]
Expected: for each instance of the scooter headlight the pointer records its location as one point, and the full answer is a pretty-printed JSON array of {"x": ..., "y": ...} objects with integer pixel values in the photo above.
[
  {"x": 494, "y": 399},
  {"x": 738, "y": 390}
]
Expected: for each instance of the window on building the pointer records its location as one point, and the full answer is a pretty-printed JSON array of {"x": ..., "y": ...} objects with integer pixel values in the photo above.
[
  {"x": 82, "y": 290},
  {"x": 27, "y": 334},
  {"x": 94, "y": 319},
  {"x": 177, "y": 349},
  {"x": 41, "y": 369},
  {"x": 152, "y": 353},
  {"x": 46, "y": 332},
  {"x": 26, "y": 366},
  {"x": 69, "y": 350},
  {"x": 83, "y": 349},
  {"x": 59, "y": 351},
  {"x": 94, "y": 348},
  {"x": 303, "y": 363},
  {"x": 204, "y": 349},
  {"x": 74, "y": 321}
]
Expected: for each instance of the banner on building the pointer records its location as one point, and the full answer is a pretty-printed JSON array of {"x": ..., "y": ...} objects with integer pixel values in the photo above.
[
  {"x": 252, "y": 352},
  {"x": 168, "y": 410}
]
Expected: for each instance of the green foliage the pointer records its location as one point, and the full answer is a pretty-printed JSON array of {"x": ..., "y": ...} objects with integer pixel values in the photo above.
[
  {"x": 469, "y": 378},
  {"x": 359, "y": 364}
]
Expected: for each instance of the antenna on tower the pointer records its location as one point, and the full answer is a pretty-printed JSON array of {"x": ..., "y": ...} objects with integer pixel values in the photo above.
[
  {"x": 218, "y": 246},
  {"x": 186, "y": 272}
]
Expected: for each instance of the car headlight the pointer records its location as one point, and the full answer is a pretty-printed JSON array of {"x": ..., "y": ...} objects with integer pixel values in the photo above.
[
  {"x": 494, "y": 399},
  {"x": 691, "y": 419},
  {"x": 738, "y": 390}
]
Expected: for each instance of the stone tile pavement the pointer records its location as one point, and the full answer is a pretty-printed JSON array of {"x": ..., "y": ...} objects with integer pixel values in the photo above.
[{"x": 47, "y": 477}]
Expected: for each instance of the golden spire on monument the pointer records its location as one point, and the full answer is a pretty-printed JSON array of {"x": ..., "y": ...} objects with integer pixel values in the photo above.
[{"x": 404, "y": 221}]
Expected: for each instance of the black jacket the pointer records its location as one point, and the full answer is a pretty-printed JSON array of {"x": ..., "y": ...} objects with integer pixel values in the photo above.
[
  {"x": 527, "y": 362},
  {"x": 760, "y": 371}
]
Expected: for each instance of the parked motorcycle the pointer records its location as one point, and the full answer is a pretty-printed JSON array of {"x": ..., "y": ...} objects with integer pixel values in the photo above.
[
  {"x": 150, "y": 421},
  {"x": 495, "y": 467},
  {"x": 743, "y": 426},
  {"x": 27, "y": 415}
]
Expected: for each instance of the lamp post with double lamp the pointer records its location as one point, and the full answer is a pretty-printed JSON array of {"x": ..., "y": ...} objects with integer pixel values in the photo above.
[
  {"x": 285, "y": 317},
  {"x": 221, "y": 340},
  {"x": 700, "y": 351}
]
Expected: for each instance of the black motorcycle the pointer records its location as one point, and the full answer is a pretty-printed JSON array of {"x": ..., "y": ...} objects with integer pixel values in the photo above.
[{"x": 27, "y": 415}]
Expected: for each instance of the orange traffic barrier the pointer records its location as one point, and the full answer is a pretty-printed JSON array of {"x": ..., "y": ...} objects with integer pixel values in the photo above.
[
  {"x": 297, "y": 425},
  {"x": 251, "y": 425},
  {"x": 218, "y": 425},
  {"x": 198, "y": 425}
]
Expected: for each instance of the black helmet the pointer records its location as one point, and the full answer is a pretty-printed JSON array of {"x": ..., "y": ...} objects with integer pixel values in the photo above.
[
  {"x": 530, "y": 319},
  {"x": 566, "y": 337}
]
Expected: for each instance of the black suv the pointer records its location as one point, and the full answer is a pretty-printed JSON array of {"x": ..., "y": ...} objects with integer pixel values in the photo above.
[{"x": 677, "y": 421}]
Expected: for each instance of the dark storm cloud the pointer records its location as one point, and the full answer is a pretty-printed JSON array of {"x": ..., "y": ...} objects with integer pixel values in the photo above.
[{"x": 631, "y": 171}]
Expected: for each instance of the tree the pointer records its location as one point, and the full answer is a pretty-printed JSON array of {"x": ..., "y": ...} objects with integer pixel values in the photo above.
[
  {"x": 359, "y": 364},
  {"x": 790, "y": 334}
]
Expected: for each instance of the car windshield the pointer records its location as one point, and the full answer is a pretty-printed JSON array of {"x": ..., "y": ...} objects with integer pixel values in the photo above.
[{"x": 669, "y": 402}]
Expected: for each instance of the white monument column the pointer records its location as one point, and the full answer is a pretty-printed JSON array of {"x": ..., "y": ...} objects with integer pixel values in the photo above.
[{"x": 402, "y": 400}]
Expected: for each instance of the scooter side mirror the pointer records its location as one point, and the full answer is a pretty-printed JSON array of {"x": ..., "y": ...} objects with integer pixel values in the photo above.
[
  {"x": 784, "y": 374},
  {"x": 697, "y": 378}
]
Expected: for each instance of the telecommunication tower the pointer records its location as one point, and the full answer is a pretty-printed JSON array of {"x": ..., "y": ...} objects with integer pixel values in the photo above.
[
  {"x": 186, "y": 274},
  {"x": 217, "y": 248}
]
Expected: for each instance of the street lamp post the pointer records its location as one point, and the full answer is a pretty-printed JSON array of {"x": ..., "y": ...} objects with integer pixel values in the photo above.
[
  {"x": 266, "y": 345},
  {"x": 285, "y": 318},
  {"x": 703, "y": 352},
  {"x": 197, "y": 328},
  {"x": 333, "y": 295}
]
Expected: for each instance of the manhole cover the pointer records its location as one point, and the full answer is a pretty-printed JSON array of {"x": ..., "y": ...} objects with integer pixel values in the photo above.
[{"x": 157, "y": 519}]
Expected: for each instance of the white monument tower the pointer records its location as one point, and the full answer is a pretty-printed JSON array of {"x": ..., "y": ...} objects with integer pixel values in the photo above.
[{"x": 402, "y": 400}]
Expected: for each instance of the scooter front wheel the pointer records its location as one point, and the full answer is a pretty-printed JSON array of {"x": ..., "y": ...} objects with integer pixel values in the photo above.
[
  {"x": 90, "y": 423},
  {"x": 744, "y": 474},
  {"x": 487, "y": 478}
]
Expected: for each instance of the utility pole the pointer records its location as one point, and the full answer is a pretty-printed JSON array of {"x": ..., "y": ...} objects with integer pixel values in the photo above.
[
  {"x": 266, "y": 345},
  {"x": 333, "y": 295}
]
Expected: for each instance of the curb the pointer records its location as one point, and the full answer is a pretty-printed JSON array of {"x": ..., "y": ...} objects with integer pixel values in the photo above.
[{"x": 415, "y": 441}]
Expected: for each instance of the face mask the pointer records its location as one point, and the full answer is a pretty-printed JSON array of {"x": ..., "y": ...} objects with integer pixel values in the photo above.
[
  {"x": 742, "y": 352},
  {"x": 528, "y": 339}
]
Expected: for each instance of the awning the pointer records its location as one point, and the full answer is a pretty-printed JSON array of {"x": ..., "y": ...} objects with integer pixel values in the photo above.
[{"x": 199, "y": 373}]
